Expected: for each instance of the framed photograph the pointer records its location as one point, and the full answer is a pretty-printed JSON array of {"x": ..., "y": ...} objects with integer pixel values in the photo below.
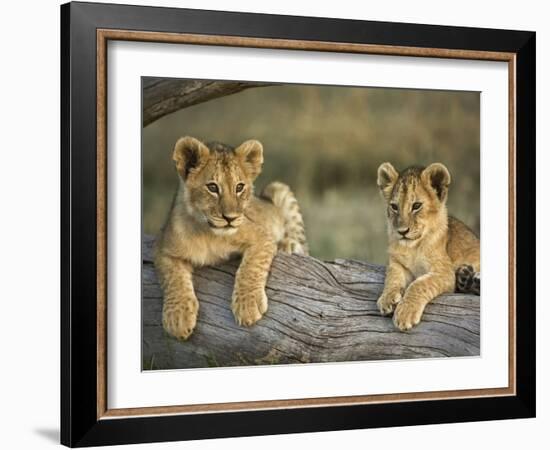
[{"x": 276, "y": 224}]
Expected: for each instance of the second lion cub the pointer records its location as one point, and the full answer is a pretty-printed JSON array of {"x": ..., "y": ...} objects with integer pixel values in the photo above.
[{"x": 429, "y": 252}]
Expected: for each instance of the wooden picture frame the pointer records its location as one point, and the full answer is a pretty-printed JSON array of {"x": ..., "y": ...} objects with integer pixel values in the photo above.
[{"x": 86, "y": 418}]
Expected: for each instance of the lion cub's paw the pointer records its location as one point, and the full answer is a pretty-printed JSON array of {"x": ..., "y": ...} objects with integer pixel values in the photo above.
[
  {"x": 286, "y": 245},
  {"x": 407, "y": 315},
  {"x": 467, "y": 280},
  {"x": 464, "y": 278},
  {"x": 387, "y": 301},
  {"x": 292, "y": 246},
  {"x": 248, "y": 308},
  {"x": 179, "y": 320},
  {"x": 476, "y": 285}
]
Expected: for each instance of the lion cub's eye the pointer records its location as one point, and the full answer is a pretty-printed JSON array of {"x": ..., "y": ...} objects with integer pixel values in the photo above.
[
  {"x": 394, "y": 206},
  {"x": 239, "y": 187},
  {"x": 213, "y": 187},
  {"x": 416, "y": 206}
]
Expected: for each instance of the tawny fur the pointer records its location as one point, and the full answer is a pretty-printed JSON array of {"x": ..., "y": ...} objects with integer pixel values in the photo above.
[
  {"x": 426, "y": 246},
  {"x": 216, "y": 215}
]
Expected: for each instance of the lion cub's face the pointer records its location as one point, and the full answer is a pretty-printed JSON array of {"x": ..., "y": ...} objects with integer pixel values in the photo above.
[
  {"x": 415, "y": 200},
  {"x": 218, "y": 180}
]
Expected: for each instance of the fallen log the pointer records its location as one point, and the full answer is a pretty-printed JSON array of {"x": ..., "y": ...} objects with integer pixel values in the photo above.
[{"x": 318, "y": 312}]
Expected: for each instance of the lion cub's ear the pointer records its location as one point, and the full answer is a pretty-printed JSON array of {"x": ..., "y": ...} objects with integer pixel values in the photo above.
[
  {"x": 252, "y": 154},
  {"x": 387, "y": 176},
  {"x": 188, "y": 154},
  {"x": 438, "y": 178}
]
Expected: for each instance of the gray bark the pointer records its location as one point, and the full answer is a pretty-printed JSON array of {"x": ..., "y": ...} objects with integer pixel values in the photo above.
[
  {"x": 318, "y": 312},
  {"x": 162, "y": 96}
]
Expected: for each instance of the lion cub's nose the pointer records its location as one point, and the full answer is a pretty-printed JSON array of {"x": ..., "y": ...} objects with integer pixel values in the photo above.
[
  {"x": 403, "y": 231},
  {"x": 230, "y": 217}
]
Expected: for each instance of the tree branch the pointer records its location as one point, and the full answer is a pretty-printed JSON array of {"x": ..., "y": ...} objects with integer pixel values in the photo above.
[{"x": 163, "y": 96}]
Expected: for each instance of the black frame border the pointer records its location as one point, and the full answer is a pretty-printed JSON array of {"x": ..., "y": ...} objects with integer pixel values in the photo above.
[{"x": 79, "y": 423}]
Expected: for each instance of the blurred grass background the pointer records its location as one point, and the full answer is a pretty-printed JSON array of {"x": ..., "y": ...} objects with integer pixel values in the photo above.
[{"x": 327, "y": 142}]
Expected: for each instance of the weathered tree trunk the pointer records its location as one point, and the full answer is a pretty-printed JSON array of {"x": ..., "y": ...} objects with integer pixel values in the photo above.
[
  {"x": 318, "y": 312},
  {"x": 162, "y": 96}
]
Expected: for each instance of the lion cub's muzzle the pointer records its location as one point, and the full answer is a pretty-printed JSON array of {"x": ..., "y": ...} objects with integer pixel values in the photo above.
[
  {"x": 226, "y": 221},
  {"x": 408, "y": 235}
]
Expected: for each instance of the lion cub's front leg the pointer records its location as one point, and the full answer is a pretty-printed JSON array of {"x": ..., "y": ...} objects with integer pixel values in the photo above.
[
  {"x": 397, "y": 278},
  {"x": 249, "y": 301},
  {"x": 419, "y": 293},
  {"x": 180, "y": 307}
]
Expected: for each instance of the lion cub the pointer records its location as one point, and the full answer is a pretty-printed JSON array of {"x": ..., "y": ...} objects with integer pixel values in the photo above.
[
  {"x": 429, "y": 251},
  {"x": 215, "y": 215}
]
